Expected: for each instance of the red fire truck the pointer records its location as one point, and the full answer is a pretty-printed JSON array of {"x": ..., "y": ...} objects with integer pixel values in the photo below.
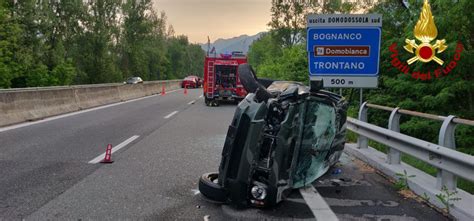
[{"x": 221, "y": 80}]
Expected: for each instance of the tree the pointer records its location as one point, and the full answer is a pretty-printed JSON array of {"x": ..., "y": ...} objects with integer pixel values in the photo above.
[
  {"x": 288, "y": 21},
  {"x": 290, "y": 66},
  {"x": 177, "y": 56},
  {"x": 450, "y": 95},
  {"x": 137, "y": 36},
  {"x": 265, "y": 48},
  {"x": 10, "y": 34},
  {"x": 196, "y": 57},
  {"x": 60, "y": 27},
  {"x": 98, "y": 57},
  {"x": 56, "y": 42}
]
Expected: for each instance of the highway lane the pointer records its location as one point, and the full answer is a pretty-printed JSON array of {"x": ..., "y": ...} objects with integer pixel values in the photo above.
[
  {"x": 156, "y": 178},
  {"x": 41, "y": 161}
]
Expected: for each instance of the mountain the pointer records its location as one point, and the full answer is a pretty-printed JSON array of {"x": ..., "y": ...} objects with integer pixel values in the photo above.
[{"x": 240, "y": 43}]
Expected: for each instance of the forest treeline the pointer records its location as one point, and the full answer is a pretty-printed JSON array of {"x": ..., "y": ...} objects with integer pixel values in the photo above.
[
  {"x": 281, "y": 54},
  {"x": 54, "y": 42}
]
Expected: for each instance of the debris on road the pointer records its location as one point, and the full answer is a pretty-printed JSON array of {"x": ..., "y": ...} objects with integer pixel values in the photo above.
[{"x": 336, "y": 171}]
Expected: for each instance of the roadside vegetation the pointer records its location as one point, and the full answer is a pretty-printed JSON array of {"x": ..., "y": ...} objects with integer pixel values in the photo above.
[
  {"x": 281, "y": 54},
  {"x": 51, "y": 42}
]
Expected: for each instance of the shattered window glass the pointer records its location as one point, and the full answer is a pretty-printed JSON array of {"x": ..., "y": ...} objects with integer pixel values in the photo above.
[{"x": 319, "y": 129}]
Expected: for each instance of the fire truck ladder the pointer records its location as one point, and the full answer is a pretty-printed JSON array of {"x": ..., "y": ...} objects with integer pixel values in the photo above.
[{"x": 210, "y": 79}]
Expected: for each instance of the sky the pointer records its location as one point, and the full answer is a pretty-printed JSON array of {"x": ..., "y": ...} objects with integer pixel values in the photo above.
[{"x": 215, "y": 18}]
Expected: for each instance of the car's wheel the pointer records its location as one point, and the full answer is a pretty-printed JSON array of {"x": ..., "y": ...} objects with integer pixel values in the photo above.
[
  {"x": 249, "y": 81},
  {"x": 247, "y": 78},
  {"x": 209, "y": 187}
]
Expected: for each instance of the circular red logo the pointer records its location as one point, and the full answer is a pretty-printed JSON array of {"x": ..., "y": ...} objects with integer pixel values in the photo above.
[{"x": 426, "y": 52}]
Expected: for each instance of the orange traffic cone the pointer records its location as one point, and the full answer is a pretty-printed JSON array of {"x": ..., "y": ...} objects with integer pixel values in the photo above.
[
  {"x": 163, "y": 90},
  {"x": 108, "y": 155}
]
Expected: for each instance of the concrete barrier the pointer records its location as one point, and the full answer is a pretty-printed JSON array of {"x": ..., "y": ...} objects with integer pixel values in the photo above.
[
  {"x": 131, "y": 91},
  {"x": 28, "y": 104},
  {"x": 88, "y": 97}
]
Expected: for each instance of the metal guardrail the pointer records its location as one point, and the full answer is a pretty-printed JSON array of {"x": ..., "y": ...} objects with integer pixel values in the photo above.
[
  {"x": 442, "y": 155},
  {"x": 79, "y": 86}
]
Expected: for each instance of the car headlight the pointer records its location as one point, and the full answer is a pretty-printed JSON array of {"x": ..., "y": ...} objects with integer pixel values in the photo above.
[{"x": 258, "y": 192}]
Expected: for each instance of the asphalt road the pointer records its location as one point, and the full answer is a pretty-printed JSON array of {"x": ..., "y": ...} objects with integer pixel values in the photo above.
[
  {"x": 41, "y": 161},
  {"x": 46, "y": 175},
  {"x": 356, "y": 191}
]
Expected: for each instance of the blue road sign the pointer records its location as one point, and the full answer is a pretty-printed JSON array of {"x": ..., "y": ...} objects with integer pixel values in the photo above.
[{"x": 344, "y": 51}]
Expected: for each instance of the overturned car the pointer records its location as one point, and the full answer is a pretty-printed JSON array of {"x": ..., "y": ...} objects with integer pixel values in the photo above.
[{"x": 283, "y": 136}]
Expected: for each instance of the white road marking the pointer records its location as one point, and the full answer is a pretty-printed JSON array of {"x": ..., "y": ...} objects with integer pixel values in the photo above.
[
  {"x": 351, "y": 202},
  {"x": 195, "y": 191},
  {"x": 171, "y": 114},
  {"x": 116, "y": 148},
  {"x": 20, "y": 125},
  {"x": 296, "y": 200},
  {"x": 200, "y": 96},
  {"x": 316, "y": 203},
  {"x": 377, "y": 217},
  {"x": 192, "y": 102}
]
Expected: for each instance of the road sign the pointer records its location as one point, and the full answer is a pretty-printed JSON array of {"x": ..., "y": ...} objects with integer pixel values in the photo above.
[{"x": 344, "y": 50}]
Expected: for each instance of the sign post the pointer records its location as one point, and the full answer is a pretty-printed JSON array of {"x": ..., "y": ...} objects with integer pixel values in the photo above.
[{"x": 344, "y": 50}]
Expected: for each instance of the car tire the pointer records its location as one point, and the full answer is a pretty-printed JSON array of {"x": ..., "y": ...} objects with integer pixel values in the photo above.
[
  {"x": 247, "y": 78},
  {"x": 250, "y": 82},
  {"x": 210, "y": 188}
]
